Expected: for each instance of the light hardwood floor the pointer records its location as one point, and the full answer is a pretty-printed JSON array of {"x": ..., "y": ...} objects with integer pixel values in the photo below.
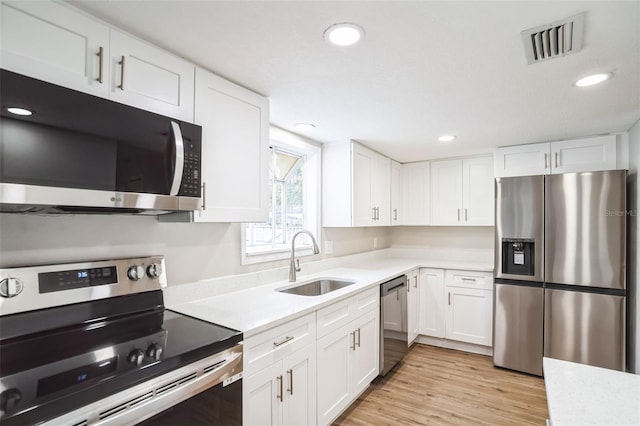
[{"x": 442, "y": 386}]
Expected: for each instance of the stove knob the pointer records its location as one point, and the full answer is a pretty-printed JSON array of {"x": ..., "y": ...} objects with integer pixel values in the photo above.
[
  {"x": 154, "y": 270},
  {"x": 154, "y": 351},
  {"x": 135, "y": 272},
  {"x": 136, "y": 357},
  {"x": 9, "y": 399},
  {"x": 10, "y": 287}
]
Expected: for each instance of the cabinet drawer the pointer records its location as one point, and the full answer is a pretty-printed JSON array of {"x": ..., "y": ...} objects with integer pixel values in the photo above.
[
  {"x": 469, "y": 279},
  {"x": 334, "y": 316},
  {"x": 366, "y": 301},
  {"x": 274, "y": 344}
]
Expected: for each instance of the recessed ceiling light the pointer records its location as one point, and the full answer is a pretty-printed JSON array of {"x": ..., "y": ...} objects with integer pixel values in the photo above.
[
  {"x": 304, "y": 127},
  {"x": 345, "y": 34},
  {"x": 590, "y": 80},
  {"x": 446, "y": 138},
  {"x": 19, "y": 111}
]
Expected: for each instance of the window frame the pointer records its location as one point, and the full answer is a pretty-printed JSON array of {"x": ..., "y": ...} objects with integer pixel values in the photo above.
[{"x": 293, "y": 143}]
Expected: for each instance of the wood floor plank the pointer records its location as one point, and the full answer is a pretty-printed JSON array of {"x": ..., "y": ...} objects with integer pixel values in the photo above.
[{"x": 442, "y": 386}]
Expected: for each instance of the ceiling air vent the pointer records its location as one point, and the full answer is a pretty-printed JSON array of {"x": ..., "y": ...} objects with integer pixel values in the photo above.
[{"x": 553, "y": 40}]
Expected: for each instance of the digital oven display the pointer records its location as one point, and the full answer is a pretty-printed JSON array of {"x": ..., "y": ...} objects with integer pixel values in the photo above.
[{"x": 66, "y": 280}]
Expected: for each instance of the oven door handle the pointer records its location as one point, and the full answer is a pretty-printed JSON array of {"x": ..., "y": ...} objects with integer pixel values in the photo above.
[{"x": 179, "y": 164}]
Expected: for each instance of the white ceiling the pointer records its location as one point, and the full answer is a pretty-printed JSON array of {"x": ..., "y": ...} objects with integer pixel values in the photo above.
[{"x": 425, "y": 68}]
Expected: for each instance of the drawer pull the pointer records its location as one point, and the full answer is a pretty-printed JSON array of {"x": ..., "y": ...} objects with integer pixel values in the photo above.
[
  {"x": 283, "y": 341},
  {"x": 468, "y": 279}
]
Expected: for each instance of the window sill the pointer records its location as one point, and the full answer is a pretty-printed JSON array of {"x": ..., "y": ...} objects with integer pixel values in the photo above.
[{"x": 271, "y": 255}]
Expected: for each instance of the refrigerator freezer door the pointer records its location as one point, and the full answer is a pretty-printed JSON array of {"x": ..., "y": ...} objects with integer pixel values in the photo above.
[
  {"x": 517, "y": 328},
  {"x": 520, "y": 215},
  {"x": 585, "y": 229},
  {"x": 587, "y": 328}
]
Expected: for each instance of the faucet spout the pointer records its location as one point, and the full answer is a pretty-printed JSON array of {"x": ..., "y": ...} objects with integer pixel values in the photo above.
[{"x": 293, "y": 268}]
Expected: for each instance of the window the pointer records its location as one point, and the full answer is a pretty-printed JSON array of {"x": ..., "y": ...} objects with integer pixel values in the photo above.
[{"x": 294, "y": 175}]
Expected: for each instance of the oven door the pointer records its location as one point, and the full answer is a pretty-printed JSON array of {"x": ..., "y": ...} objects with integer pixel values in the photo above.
[{"x": 206, "y": 392}]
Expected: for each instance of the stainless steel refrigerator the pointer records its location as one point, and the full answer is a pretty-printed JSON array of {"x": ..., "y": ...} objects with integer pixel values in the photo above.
[{"x": 560, "y": 262}]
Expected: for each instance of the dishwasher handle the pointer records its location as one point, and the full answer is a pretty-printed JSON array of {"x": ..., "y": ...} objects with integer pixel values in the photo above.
[{"x": 392, "y": 285}]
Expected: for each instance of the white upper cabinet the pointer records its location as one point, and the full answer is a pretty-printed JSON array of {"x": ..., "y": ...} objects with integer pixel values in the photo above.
[
  {"x": 416, "y": 191},
  {"x": 51, "y": 42},
  {"x": 462, "y": 192},
  {"x": 578, "y": 155},
  {"x": 235, "y": 151},
  {"x": 147, "y": 77},
  {"x": 356, "y": 186},
  {"x": 396, "y": 194}
]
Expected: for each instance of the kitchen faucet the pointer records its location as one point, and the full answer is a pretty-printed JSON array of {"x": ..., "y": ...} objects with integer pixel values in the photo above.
[{"x": 294, "y": 266}]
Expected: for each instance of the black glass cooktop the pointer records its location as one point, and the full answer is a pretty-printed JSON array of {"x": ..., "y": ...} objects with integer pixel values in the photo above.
[{"x": 89, "y": 355}]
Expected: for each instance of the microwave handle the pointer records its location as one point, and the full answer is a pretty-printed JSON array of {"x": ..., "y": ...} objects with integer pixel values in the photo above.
[{"x": 179, "y": 165}]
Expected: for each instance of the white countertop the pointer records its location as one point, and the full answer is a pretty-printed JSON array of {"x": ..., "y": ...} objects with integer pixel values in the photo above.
[
  {"x": 579, "y": 394},
  {"x": 260, "y": 307}
]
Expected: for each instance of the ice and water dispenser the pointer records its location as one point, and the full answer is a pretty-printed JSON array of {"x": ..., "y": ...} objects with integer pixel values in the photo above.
[{"x": 518, "y": 256}]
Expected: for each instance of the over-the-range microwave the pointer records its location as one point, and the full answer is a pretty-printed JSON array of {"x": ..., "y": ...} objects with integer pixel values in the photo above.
[{"x": 70, "y": 152}]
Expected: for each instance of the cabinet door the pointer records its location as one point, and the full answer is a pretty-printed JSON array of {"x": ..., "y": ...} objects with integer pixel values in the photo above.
[
  {"x": 381, "y": 190},
  {"x": 522, "y": 160},
  {"x": 235, "y": 151},
  {"x": 478, "y": 189},
  {"x": 446, "y": 189},
  {"x": 432, "y": 308},
  {"x": 469, "y": 316},
  {"x": 262, "y": 395},
  {"x": 361, "y": 175},
  {"x": 416, "y": 193},
  {"x": 299, "y": 371},
  {"x": 333, "y": 373},
  {"x": 413, "y": 300},
  {"x": 396, "y": 193},
  {"x": 365, "y": 362},
  {"x": 584, "y": 155},
  {"x": 51, "y": 42},
  {"x": 147, "y": 77}
]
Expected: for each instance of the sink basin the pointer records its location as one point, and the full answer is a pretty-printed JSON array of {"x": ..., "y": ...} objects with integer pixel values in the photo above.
[{"x": 317, "y": 287}]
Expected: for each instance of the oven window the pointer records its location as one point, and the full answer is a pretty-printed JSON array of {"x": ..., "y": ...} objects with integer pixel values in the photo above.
[{"x": 215, "y": 406}]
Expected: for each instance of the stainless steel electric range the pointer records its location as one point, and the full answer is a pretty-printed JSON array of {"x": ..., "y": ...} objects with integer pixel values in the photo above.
[{"x": 92, "y": 344}]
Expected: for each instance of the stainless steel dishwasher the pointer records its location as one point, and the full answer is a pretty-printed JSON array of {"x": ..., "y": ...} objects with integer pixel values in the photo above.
[{"x": 393, "y": 323}]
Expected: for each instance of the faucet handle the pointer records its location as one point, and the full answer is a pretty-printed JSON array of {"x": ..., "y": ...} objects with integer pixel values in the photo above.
[{"x": 297, "y": 267}]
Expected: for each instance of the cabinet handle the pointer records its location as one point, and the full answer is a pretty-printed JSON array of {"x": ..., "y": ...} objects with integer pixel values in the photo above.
[
  {"x": 449, "y": 298},
  {"x": 415, "y": 282},
  {"x": 353, "y": 340},
  {"x": 358, "y": 336},
  {"x": 100, "y": 55},
  {"x": 556, "y": 159},
  {"x": 395, "y": 214},
  {"x": 377, "y": 213},
  {"x": 121, "y": 63},
  {"x": 468, "y": 279},
  {"x": 458, "y": 215},
  {"x": 290, "y": 374},
  {"x": 465, "y": 215},
  {"x": 373, "y": 213},
  {"x": 279, "y": 395},
  {"x": 204, "y": 196},
  {"x": 283, "y": 341},
  {"x": 545, "y": 161}
]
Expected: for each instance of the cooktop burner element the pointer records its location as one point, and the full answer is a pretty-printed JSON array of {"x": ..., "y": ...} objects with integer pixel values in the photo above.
[{"x": 108, "y": 332}]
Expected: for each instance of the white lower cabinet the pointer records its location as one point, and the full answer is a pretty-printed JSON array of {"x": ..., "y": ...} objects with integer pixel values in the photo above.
[
  {"x": 413, "y": 305},
  {"x": 283, "y": 393},
  {"x": 456, "y": 305},
  {"x": 348, "y": 352}
]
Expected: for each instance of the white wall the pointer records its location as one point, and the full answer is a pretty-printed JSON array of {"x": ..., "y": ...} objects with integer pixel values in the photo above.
[
  {"x": 444, "y": 237},
  {"x": 194, "y": 252},
  {"x": 633, "y": 284}
]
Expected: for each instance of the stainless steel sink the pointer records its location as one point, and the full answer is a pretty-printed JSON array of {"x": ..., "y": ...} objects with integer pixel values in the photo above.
[{"x": 317, "y": 288}]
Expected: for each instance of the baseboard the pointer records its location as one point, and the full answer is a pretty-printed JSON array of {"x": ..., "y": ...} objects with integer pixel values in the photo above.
[{"x": 452, "y": 344}]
